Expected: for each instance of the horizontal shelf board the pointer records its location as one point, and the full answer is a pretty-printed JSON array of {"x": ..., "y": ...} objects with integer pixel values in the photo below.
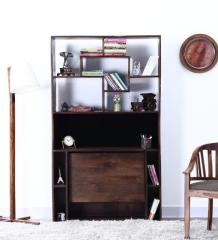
[
  {"x": 106, "y": 56},
  {"x": 105, "y": 113},
  {"x": 116, "y": 90},
  {"x": 111, "y": 203},
  {"x": 102, "y": 149},
  {"x": 146, "y": 76},
  {"x": 59, "y": 185},
  {"x": 78, "y": 76},
  {"x": 104, "y": 36},
  {"x": 153, "y": 186},
  {"x": 105, "y": 149}
]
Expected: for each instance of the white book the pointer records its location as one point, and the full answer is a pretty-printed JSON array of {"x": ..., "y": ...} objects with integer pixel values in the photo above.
[
  {"x": 150, "y": 65},
  {"x": 153, "y": 208}
]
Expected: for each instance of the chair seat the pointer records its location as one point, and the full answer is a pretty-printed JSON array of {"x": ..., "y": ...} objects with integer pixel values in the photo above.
[{"x": 207, "y": 185}]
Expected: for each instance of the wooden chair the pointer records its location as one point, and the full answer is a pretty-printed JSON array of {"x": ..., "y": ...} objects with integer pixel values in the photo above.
[{"x": 201, "y": 180}]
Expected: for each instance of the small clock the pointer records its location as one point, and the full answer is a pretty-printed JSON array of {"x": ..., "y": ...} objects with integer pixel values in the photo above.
[{"x": 69, "y": 142}]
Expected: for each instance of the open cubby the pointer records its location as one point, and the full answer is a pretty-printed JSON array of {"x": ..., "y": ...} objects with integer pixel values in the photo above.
[
  {"x": 105, "y": 173},
  {"x": 105, "y": 130}
]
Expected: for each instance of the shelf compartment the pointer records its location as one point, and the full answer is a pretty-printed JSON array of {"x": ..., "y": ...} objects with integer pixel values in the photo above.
[
  {"x": 83, "y": 91},
  {"x": 154, "y": 193},
  {"x": 59, "y": 164},
  {"x": 59, "y": 205},
  {"x": 87, "y": 130}
]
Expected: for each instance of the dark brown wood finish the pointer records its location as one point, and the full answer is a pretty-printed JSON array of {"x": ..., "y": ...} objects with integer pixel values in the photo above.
[
  {"x": 114, "y": 161},
  {"x": 107, "y": 177}
]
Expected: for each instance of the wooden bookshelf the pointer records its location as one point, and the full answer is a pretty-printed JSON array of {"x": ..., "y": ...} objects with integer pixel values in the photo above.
[{"x": 106, "y": 175}]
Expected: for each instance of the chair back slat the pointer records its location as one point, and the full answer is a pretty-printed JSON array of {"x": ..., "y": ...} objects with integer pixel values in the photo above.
[
  {"x": 198, "y": 167},
  {"x": 210, "y": 166},
  {"x": 201, "y": 156},
  {"x": 216, "y": 163}
]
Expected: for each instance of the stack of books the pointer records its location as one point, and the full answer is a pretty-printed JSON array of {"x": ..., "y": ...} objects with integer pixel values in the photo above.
[
  {"x": 92, "y": 73},
  {"x": 115, "y": 46},
  {"x": 153, "y": 175},
  {"x": 115, "y": 82},
  {"x": 91, "y": 52}
]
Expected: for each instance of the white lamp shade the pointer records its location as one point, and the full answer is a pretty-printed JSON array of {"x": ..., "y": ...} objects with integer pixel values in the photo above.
[{"x": 22, "y": 78}]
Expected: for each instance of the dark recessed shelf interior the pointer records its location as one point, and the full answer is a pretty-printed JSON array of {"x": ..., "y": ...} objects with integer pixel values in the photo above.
[{"x": 115, "y": 130}]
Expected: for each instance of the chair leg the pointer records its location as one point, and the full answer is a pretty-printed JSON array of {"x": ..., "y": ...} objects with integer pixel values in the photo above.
[
  {"x": 210, "y": 214},
  {"x": 187, "y": 217}
]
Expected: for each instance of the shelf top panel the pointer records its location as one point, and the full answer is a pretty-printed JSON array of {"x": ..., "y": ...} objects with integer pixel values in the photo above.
[
  {"x": 103, "y": 36},
  {"x": 107, "y": 149}
]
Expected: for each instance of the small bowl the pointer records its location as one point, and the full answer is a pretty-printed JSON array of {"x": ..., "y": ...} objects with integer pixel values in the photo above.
[{"x": 137, "y": 106}]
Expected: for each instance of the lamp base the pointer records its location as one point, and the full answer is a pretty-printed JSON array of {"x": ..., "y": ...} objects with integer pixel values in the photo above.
[{"x": 20, "y": 220}]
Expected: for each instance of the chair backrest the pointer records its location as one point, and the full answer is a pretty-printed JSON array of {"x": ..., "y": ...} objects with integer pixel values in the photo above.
[{"x": 206, "y": 162}]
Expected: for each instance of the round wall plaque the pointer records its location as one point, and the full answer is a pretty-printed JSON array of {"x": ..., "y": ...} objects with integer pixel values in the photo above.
[{"x": 199, "y": 53}]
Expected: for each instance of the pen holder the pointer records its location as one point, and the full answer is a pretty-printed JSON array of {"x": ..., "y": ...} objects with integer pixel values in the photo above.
[{"x": 146, "y": 142}]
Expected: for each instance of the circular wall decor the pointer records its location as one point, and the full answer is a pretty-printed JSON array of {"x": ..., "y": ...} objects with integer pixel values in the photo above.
[{"x": 199, "y": 53}]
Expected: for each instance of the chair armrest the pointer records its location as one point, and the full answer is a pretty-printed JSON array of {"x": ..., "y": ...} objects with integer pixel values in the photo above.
[
  {"x": 192, "y": 161},
  {"x": 188, "y": 169}
]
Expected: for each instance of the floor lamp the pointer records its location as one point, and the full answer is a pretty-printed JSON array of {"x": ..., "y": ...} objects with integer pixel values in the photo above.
[{"x": 21, "y": 79}]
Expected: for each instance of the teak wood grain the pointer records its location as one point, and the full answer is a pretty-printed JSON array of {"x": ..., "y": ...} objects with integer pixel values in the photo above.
[{"x": 107, "y": 177}]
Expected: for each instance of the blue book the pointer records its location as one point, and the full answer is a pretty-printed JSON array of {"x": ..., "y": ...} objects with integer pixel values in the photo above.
[{"x": 121, "y": 81}]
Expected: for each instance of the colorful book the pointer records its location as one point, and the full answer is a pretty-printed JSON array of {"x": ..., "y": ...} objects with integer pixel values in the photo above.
[
  {"x": 111, "y": 83},
  {"x": 121, "y": 81},
  {"x": 153, "y": 174},
  {"x": 115, "y": 40},
  {"x": 153, "y": 209},
  {"x": 92, "y": 73},
  {"x": 117, "y": 81}
]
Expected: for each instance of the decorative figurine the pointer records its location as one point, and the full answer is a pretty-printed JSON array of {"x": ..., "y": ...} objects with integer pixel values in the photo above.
[
  {"x": 61, "y": 216},
  {"x": 136, "y": 71},
  {"x": 149, "y": 101},
  {"x": 137, "y": 106},
  {"x": 64, "y": 107},
  {"x": 66, "y": 70},
  {"x": 117, "y": 105},
  {"x": 60, "y": 179}
]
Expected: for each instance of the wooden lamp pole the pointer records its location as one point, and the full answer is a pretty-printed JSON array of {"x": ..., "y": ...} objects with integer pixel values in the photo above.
[{"x": 12, "y": 217}]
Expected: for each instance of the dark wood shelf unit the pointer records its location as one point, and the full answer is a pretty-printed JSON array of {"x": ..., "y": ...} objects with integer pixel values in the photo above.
[{"x": 106, "y": 175}]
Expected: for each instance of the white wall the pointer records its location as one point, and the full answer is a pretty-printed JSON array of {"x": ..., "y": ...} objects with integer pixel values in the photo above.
[{"x": 189, "y": 100}]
